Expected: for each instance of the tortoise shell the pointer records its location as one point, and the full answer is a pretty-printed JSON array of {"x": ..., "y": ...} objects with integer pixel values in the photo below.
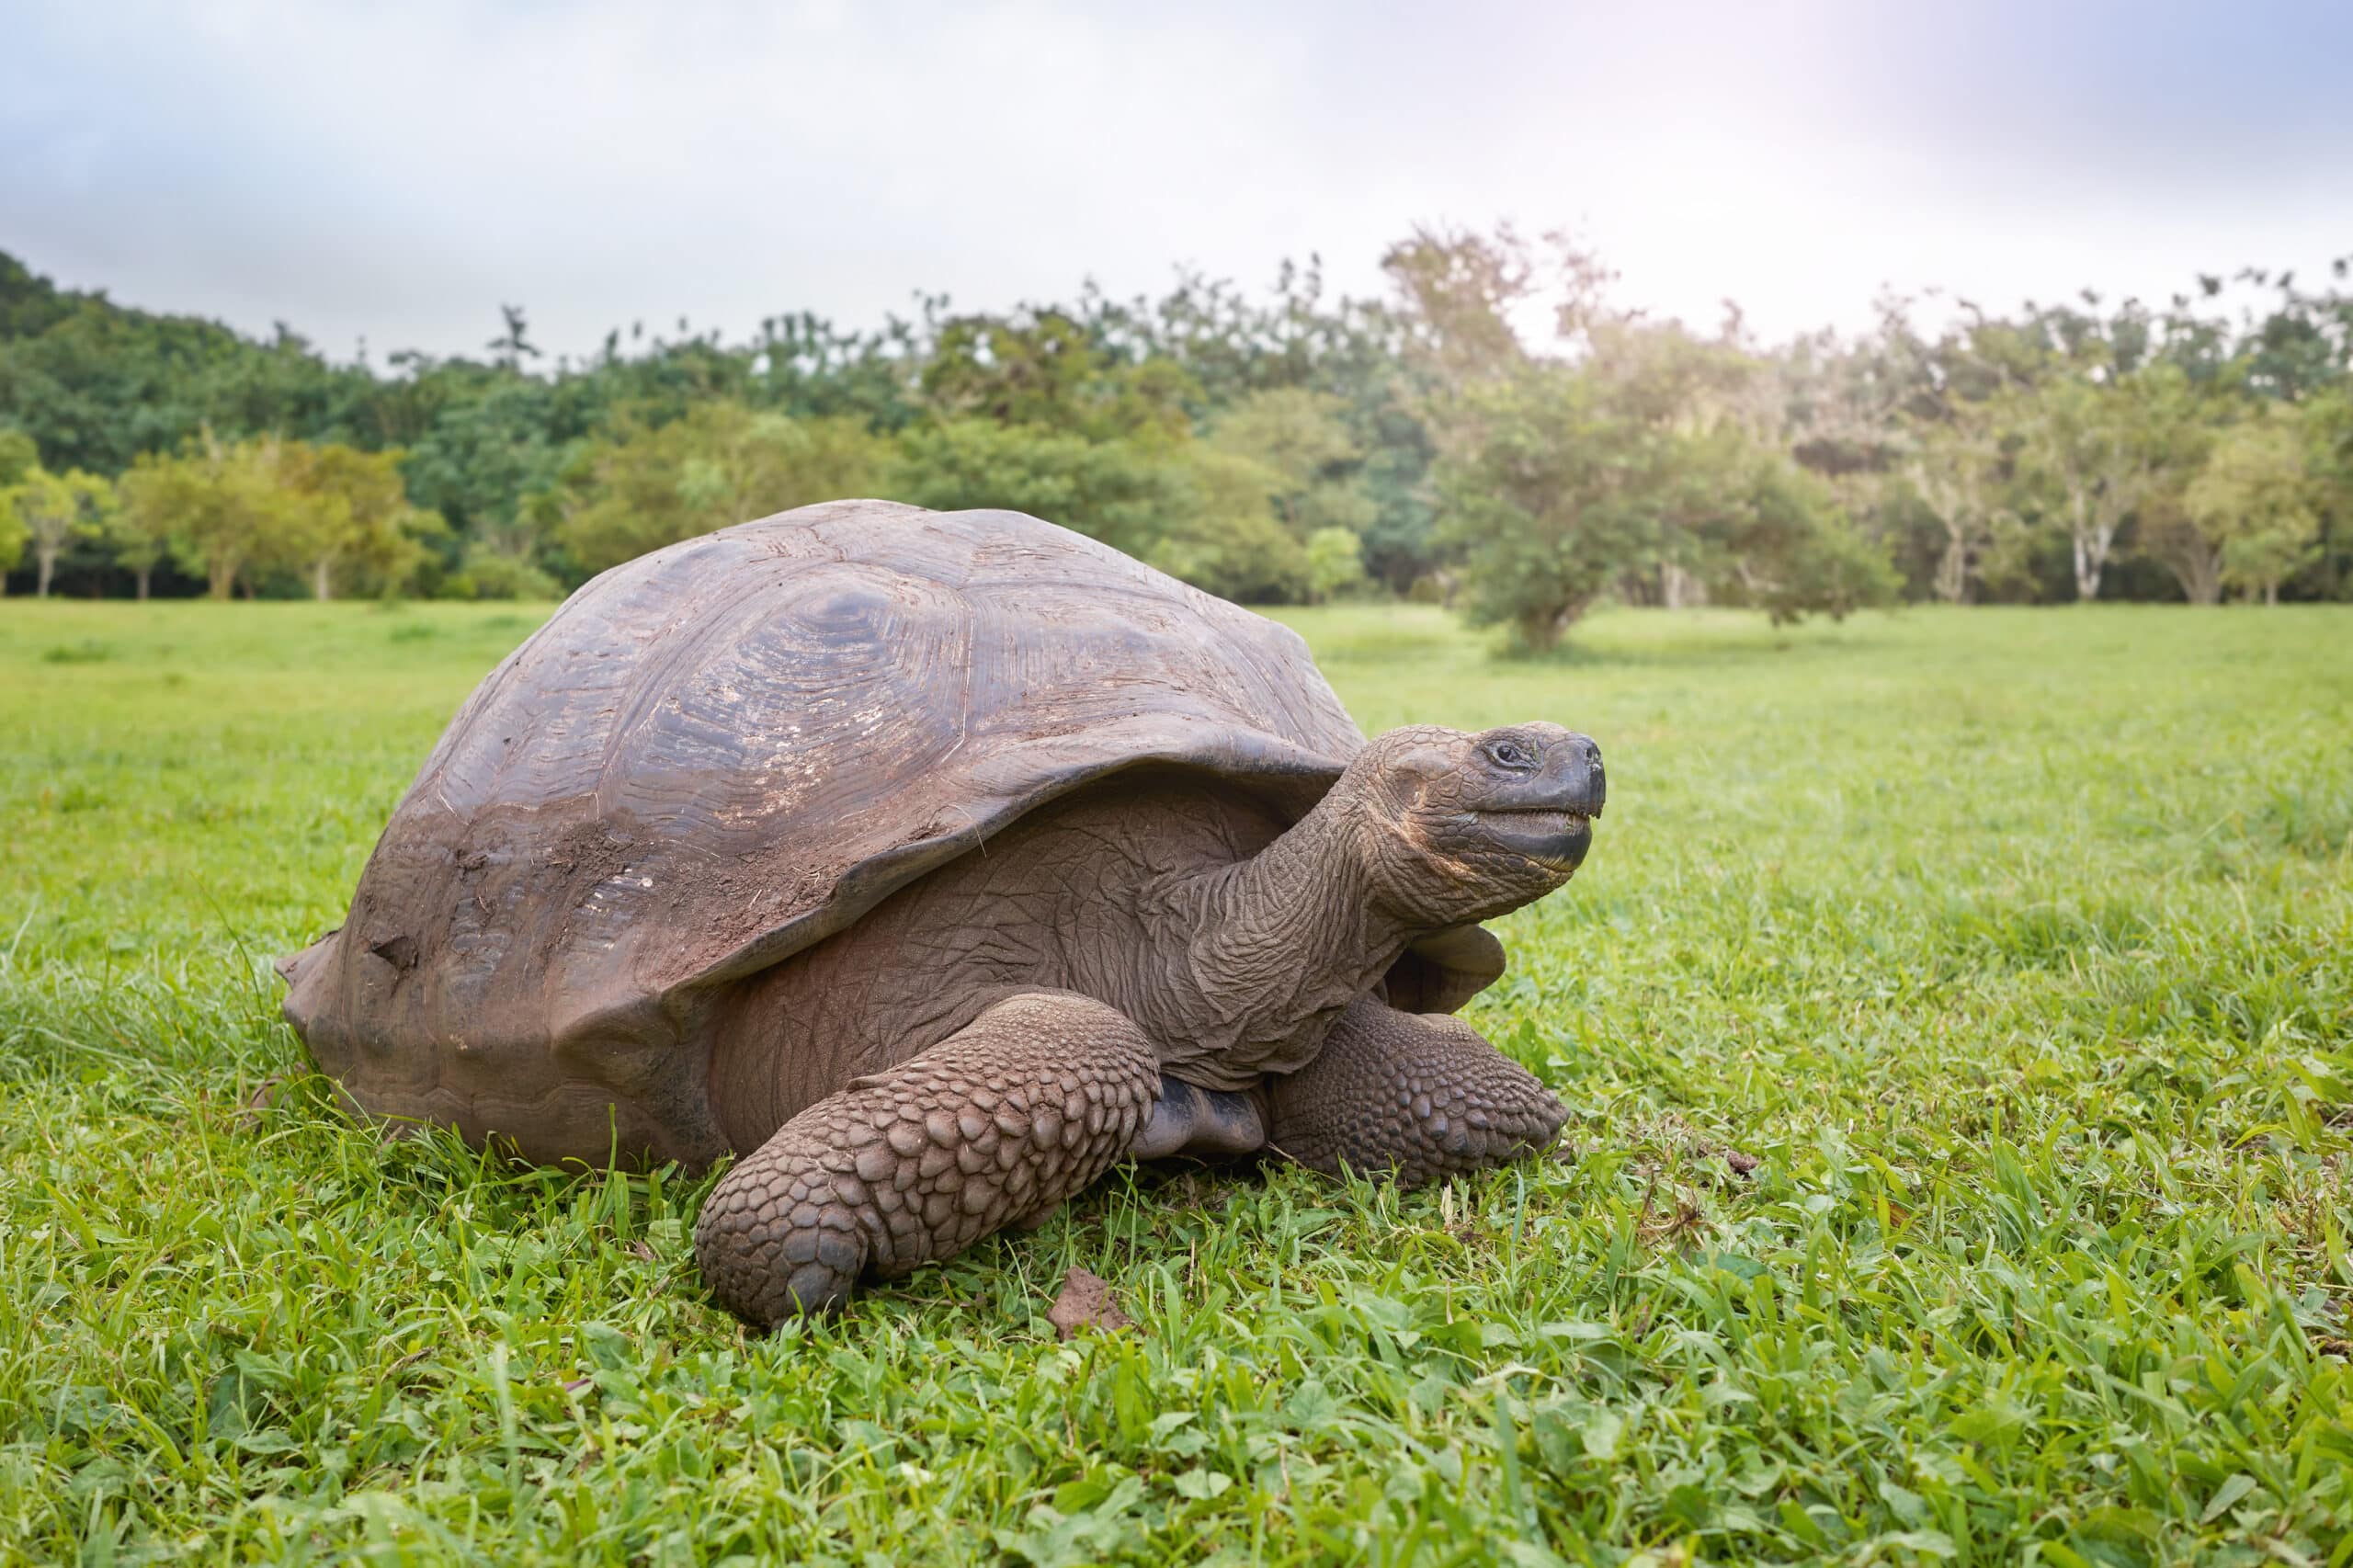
[{"x": 724, "y": 751}]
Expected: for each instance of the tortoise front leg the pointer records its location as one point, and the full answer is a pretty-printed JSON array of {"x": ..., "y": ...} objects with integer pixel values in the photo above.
[
  {"x": 994, "y": 1126},
  {"x": 1418, "y": 1096}
]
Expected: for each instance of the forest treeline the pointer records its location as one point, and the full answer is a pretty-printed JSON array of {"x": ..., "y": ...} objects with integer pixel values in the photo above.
[{"x": 1494, "y": 431}]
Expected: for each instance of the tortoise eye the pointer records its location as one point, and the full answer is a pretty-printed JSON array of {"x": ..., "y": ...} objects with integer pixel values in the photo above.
[{"x": 1510, "y": 754}]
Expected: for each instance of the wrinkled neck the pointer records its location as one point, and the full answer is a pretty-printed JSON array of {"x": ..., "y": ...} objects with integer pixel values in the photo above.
[{"x": 1277, "y": 945}]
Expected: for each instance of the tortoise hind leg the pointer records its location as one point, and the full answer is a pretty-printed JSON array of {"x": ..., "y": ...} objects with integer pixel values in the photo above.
[
  {"x": 994, "y": 1126},
  {"x": 1417, "y": 1096}
]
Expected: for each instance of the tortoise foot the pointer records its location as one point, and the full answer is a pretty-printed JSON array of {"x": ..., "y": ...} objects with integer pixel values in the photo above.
[
  {"x": 997, "y": 1125},
  {"x": 1415, "y": 1096}
]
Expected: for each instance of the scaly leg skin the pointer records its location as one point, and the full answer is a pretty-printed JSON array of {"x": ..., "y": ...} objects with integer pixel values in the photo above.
[
  {"x": 1418, "y": 1096},
  {"x": 994, "y": 1126}
]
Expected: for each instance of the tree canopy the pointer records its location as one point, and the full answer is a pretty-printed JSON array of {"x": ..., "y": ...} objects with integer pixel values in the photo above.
[{"x": 1494, "y": 430}]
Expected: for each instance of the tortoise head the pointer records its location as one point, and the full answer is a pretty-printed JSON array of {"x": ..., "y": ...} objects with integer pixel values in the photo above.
[{"x": 1458, "y": 828}]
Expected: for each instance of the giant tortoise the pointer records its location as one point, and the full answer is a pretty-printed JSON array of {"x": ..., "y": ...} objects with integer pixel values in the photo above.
[{"x": 928, "y": 863}]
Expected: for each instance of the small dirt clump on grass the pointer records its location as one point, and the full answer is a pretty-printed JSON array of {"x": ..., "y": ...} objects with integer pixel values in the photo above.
[{"x": 1085, "y": 1302}]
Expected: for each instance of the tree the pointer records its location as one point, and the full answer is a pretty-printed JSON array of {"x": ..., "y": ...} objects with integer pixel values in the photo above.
[
  {"x": 51, "y": 510},
  {"x": 2166, "y": 533},
  {"x": 1194, "y": 511},
  {"x": 1212, "y": 528},
  {"x": 1340, "y": 405},
  {"x": 2165, "y": 530},
  {"x": 1544, "y": 482},
  {"x": 2328, "y": 429},
  {"x": 1559, "y": 484},
  {"x": 1054, "y": 369},
  {"x": 95, "y": 383},
  {"x": 1297, "y": 436},
  {"x": 18, "y": 455},
  {"x": 1114, "y": 491},
  {"x": 492, "y": 448},
  {"x": 2099, "y": 447},
  {"x": 17, "y": 458},
  {"x": 1547, "y": 496},
  {"x": 1457, "y": 290},
  {"x": 484, "y": 573},
  {"x": 1638, "y": 457},
  {"x": 1954, "y": 465},
  {"x": 1353, "y": 353},
  {"x": 513, "y": 345},
  {"x": 220, "y": 506},
  {"x": 2254, "y": 502},
  {"x": 351, "y": 515},
  {"x": 135, "y": 539},
  {"x": 1786, "y": 546},
  {"x": 722, "y": 465},
  {"x": 1335, "y": 563}
]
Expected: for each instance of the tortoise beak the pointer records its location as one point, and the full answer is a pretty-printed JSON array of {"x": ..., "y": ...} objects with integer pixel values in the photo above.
[{"x": 1545, "y": 810}]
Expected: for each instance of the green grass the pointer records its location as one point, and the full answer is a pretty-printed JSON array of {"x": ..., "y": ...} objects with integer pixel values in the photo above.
[{"x": 1957, "y": 1011}]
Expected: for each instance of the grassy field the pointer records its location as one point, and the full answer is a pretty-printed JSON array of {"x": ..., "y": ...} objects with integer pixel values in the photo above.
[{"x": 1956, "y": 1013}]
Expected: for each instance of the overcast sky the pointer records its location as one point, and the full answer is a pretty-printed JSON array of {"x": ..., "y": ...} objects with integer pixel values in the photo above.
[{"x": 395, "y": 171}]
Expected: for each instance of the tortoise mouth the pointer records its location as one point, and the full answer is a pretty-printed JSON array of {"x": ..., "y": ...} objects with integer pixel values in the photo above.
[{"x": 1556, "y": 836}]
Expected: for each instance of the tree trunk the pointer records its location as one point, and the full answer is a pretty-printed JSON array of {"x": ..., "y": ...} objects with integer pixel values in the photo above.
[
  {"x": 45, "y": 568},
  {"x": 220, "y": 578},
  {"x": 1678, "y": 589},
  {"x": 2201, "y": 580},
  {"x": 2091, "y": 540},
  {"x": 2195, "y": 565},
  {"x": 142, "y": 575},
  {"x": 2202, "y": 583},
  {"x": 2087, "y": 567},
  {"x": 319, "y": 586},
  {"x": 1951, "y": 583},
  {"x": 2271, "y": 592}
]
